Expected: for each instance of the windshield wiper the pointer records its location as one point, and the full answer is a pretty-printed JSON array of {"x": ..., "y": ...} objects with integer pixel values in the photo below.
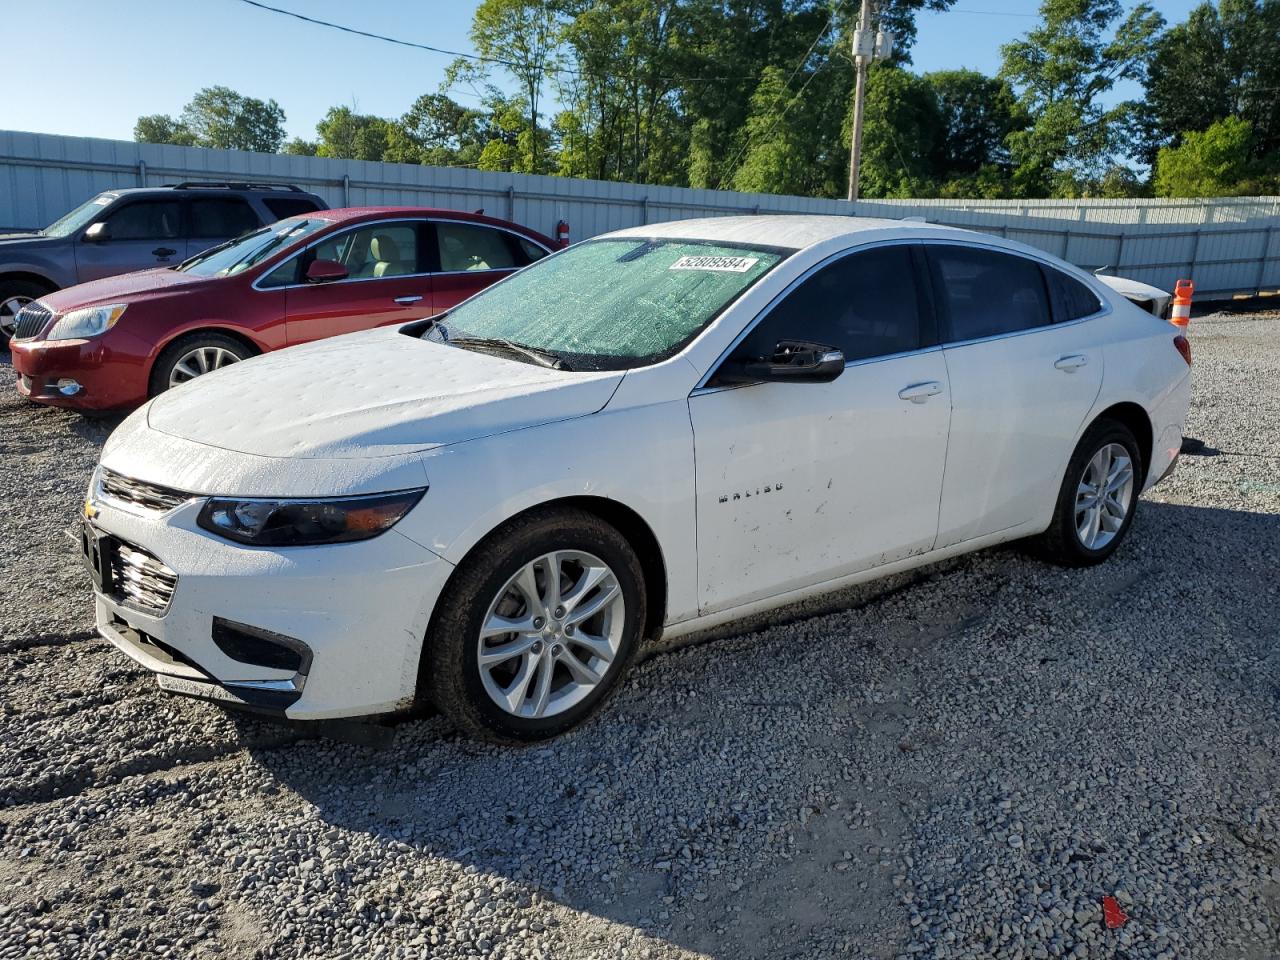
[{"x": 543, "y": 357}]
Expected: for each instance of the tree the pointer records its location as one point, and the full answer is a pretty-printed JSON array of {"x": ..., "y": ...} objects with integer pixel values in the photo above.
[
  {"x": 298, "y": 147},
  {"x": 523, "y": 36},
  {"x": 347, "y": 135},
  {"x": 1223, "y": 61},
  {"x": 1212, "y": 163},
  {"x": 1061, "y": 69},
  {"x": 220, "y": 117},
  {"x": 978, "y": 114},
  {"x": 161, "y": 128},
  {"x": 901, "y": 134}
]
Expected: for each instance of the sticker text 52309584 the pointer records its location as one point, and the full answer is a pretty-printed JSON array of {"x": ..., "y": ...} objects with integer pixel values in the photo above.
[{"x": 721, "y": 264}]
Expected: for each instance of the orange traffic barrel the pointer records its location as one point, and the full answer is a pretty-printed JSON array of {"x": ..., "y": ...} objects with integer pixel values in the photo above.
[{"x": 1180, "y": 314}]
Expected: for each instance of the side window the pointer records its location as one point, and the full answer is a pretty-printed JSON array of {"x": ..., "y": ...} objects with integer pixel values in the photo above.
[
  {"x": 1071, "y": 299},
  {"x": 145, "y": 220},
  {"x": 378, "y": 250},
  {"x": 531, "y": 251},
  {"x": 983, "y": 293},
  {"x": 284, "y": 207},
  {"x": 866, "y": 304},
  {"x": 221, "y": 218},
  {"x": 465, "y": 247}
]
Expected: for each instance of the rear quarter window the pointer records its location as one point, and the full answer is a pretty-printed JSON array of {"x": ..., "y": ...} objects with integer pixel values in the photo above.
[
  {"x": 282, "y": 207},
  {"x": 1071, "y": 299}
]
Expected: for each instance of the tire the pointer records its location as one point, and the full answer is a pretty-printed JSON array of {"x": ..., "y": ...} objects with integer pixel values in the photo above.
[
  {"x": 1064, "y": 543},
  {"x": 484, "y": 585},
  {"x": 218, "y": 349},
  {"x": 15, "y": 294}
]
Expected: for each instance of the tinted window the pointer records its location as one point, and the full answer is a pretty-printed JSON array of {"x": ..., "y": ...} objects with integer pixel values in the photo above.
[
  {"x": 379, "y": 250},
  {"x": 865, "y": 304},
  {"x": 1071, "y": 298},
  {"x": 465, "y": 246},
  {"x": 983, "y": 293},
  {"x": 282, "y": 207},
  {"x": 283, "y": 275},
  {"x": 145, "y": 220},
  {"x": 221, "y": 218},
  {"x": 530, "y": 250}
]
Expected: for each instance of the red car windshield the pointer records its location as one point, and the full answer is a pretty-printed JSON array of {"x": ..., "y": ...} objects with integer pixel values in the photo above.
[{"x": 236, "y": 256}]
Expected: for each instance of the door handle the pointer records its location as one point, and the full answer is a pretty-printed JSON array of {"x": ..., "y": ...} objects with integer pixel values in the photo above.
[
  {"x": 920, "y": 392},
  {"x": 164, "y": 252},
  {"x": 406, "y": 300},
  {"x": 1071, "y": 364}
]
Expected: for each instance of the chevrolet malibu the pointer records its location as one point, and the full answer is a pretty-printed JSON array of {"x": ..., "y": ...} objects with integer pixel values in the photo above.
[{"x": 646, "y": 434}]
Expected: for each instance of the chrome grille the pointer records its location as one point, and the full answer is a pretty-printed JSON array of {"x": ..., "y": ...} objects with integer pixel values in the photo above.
[
  {"x": 148, "y": 496},
  {"x": 140, "y": 579},
  {"x": 31, "y": 320}
]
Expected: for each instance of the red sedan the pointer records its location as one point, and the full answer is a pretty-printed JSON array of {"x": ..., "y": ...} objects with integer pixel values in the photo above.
[{"x": 114, "y": 343}]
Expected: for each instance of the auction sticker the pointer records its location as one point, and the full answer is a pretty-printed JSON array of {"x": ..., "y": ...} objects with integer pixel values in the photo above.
[{"x": 718, "y": 264}]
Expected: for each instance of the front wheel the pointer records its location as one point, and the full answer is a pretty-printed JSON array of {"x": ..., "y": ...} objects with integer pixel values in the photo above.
[
  {"x": 1098, "y": 498},
  {"x": 193, "y": 356},
  {"x": 535, "y": 628}
]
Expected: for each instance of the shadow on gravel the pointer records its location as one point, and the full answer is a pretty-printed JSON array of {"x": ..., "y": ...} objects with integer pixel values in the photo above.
[{"x": 735, "y": 798}]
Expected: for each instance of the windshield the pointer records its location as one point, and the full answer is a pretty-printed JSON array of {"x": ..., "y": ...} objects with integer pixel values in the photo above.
[
  {"x": 615, "y": 303},
  {"x": 80, "y": 217},
  {"x": 236, "y": 256}
]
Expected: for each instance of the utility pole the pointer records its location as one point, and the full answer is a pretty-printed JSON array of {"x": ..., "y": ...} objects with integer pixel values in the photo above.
[{"x": 867, "y": 45}]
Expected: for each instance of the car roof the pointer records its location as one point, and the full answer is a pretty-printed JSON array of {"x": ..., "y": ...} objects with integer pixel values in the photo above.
[
  {"x": 215, "y": 189},
  {"x": 787, "y": 230},
  {"x": 356, "y": 214}
]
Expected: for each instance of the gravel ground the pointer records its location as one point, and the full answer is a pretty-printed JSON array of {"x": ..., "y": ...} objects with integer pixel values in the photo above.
[{"x": 959, "y": 762}]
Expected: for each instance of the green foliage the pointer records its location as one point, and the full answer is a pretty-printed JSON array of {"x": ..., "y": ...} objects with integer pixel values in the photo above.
[
  {"x": 1223, "y": 61},
  {"x": 1061, "y": 70},
  {"x": 1213, "y": 163},
  {"x": 220, "y": 117},
  {"x": 161, "y": 128},
  {"x": 758, "y": 97}
]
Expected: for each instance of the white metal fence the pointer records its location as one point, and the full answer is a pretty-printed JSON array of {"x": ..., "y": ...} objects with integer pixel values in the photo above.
[{"x": 1228, "y": 246}]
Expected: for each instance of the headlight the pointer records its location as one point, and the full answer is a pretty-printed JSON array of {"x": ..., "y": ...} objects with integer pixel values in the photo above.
[
  {"x": 87, "y": 322},
  {"x": 299, "y": 523}
]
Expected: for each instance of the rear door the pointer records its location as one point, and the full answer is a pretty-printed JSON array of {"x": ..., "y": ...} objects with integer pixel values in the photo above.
[
  {"x": 386, "y": 282},
  {"x": 138, "y": 234},
  {"x": 215, "y": 220},
  {"x": 1021, "y": 386},
  {"x": 471, "y": 256}
]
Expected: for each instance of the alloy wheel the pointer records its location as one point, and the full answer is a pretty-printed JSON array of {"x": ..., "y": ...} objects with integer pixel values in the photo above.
[
  {"x": 201, "y": 360},
  {"x": 1104, "y": 496},
  {"x": 9, "y": 310},
  {"x": 551, "y": 634}
]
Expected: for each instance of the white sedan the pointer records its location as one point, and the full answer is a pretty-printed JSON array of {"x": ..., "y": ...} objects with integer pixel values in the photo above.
[{"x": 649, "y": 433}]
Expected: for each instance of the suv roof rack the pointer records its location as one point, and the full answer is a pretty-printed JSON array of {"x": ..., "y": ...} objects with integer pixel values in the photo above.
[{"x": 233, "y": 185}]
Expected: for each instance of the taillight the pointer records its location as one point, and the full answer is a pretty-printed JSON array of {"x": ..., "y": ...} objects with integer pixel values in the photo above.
[{"x": 1184, "y": 347}]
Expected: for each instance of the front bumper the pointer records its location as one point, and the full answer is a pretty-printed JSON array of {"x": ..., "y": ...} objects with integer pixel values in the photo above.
[
  {"x": 358, "y": 612},
  {"x": 108, "y": 374}
]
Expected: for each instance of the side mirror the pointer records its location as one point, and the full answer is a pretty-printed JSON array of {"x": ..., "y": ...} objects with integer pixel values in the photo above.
[
  {"x": 98, "y": 233},
  {"x": 793, "y": 361},
  {"x": 325, "y": 271}
]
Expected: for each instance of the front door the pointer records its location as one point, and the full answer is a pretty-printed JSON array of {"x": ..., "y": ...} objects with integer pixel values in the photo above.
[
  {"x": 385, "y": 283},
  {"x": 1021, "y": 387},
  {"x": 135, "y": 235},
  {"x": 802, "y": 483}
]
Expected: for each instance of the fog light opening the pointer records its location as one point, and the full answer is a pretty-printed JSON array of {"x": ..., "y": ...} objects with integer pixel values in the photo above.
[{"x": 68, "y": 387}]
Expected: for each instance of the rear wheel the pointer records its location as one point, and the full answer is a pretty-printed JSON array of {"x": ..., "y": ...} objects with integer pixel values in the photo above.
[
  {"x": 535, "y": 628},
  {"x": 1098, "y": 498},
  {"x": 193, "y": 356},
  {"x": 14, "y": 295}
]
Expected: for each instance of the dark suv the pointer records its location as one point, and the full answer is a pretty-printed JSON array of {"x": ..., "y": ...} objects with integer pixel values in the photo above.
[{"x": 124, "y": 230}]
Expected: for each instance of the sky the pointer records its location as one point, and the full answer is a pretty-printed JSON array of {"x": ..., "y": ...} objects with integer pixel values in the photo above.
[{"x": 91, "y": 67}]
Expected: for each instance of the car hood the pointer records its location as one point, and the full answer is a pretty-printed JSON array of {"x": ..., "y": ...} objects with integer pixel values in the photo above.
[
  {"x": 126, "y": 288},
  {"x": 378, "y": 393}
]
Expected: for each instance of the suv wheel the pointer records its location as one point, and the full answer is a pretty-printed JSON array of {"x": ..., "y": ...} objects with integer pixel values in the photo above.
[{"x": 14, "y": 295}]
